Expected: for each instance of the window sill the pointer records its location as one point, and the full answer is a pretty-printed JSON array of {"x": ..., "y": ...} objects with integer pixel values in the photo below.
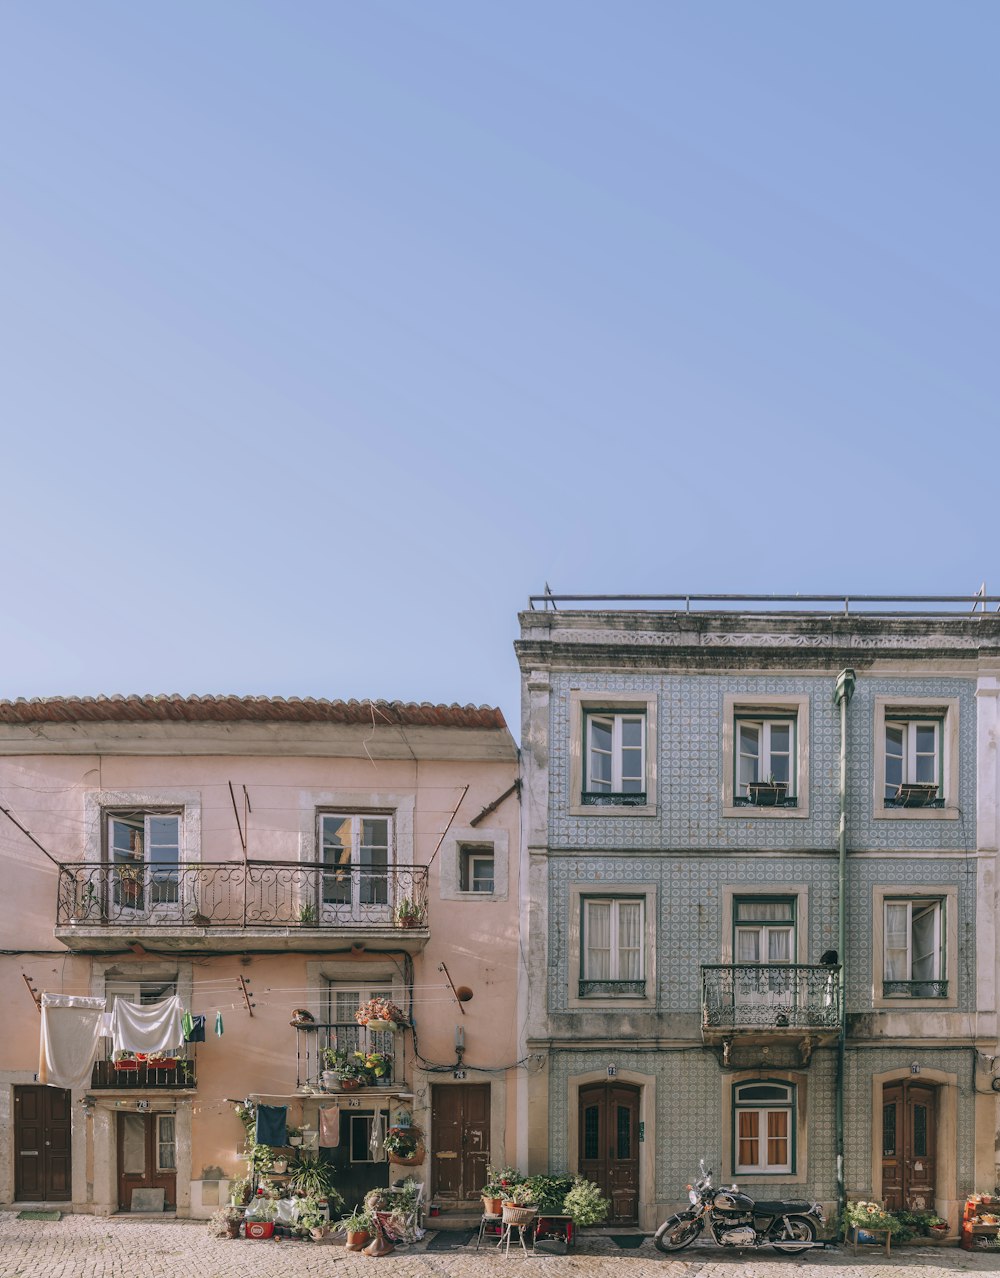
[
  {"x": 612, "y": 809},
  {"x": 754, "y": 812},
  {"x": 916, "y": 814},
  {"x": 772, "y": 1178}
]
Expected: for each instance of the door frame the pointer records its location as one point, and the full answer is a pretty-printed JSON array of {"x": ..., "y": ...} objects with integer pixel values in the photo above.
[
  {"x": 946, "y": 1179},
  {"x": 646, "y": 1084},
  {"x": 42, "y": 1090},
  {"x": 500, "y": 1156},
  {"x": 432, "y": 1181}
]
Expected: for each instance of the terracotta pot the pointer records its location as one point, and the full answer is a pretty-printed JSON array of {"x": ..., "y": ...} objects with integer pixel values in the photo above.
[
  {"x": 357, "y": 1238},
  {"x": 492, "y": 1206}
]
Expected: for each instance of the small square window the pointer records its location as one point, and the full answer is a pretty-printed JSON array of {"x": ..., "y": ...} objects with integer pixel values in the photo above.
[
  {"x": 476, "y": 868},
  {"x": 614, "y": 758}
]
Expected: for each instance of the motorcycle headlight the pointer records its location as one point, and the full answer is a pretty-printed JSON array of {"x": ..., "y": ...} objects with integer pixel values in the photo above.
[{"x": 692, "y": 1196}]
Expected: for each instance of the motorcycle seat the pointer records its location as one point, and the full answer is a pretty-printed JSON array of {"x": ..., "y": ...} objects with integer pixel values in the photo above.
[{"x": 779, "y": 1208}]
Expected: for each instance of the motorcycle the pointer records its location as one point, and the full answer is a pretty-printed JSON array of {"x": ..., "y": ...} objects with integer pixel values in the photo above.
[{"x": 736, "y": 1220}]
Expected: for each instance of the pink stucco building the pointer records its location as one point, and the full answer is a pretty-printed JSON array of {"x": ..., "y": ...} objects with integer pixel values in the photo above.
[{"x": 267, "y": 861}]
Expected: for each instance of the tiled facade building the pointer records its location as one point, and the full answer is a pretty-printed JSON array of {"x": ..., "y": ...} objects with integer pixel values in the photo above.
[{"x": 681, "y": 841}]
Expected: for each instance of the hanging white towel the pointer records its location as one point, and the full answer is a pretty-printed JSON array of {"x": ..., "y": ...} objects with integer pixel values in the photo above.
[
  {"x": 377, "y": 1143},
  {"x": 154, "y": 1028},
  {"x": 71, "y": 1032},
  {"x": 106, "y": 1030}
]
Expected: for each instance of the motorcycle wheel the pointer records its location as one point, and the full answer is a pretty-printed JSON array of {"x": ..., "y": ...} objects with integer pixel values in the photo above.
[
  {"x": 677, "y": 1232},
  {"x": 798, "y": 1228}
]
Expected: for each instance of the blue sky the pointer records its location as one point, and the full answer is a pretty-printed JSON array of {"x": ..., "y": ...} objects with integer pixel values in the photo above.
[{"x": 331, "y": 331}]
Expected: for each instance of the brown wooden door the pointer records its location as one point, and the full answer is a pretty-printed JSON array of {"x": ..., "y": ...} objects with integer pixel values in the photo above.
[
  {"x": 909, "y": 1145},
  {"x": 147, "y": 1157},
  {"x": 42, "y": 1163},
  {"x": 609, "y": 1146},
  {"x": 460, "y": 1139}
]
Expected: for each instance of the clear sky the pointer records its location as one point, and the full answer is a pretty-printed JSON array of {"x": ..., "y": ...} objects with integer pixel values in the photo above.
[{"x": 330, "y": 331}]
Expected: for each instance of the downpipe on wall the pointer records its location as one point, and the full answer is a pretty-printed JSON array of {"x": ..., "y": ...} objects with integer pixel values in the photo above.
[{"x": 842, "y": 696}]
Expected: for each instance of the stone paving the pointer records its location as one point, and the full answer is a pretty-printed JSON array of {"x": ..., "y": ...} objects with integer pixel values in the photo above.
[{"x": 119, "y": 1247}]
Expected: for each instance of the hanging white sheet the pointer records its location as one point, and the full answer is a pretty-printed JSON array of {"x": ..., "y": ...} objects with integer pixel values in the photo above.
[
  {"x": 71, "y": 1033},
  {"x": 153, "y": 1028}
]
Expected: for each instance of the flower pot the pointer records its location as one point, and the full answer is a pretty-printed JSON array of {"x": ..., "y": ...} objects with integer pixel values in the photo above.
[
  {"x": 409, "y": 920},
  {"x": 357, "y": 1238},
  {"x": 280, "y": 1166},
  {"x": 295, "y": 1141},
  {"x": 260, "y": 1228},
  {"x": 161, "y": 1062},
  {"x": 350, "y": 1084},
  {"x": 233, "y": 1228},
  {"x": 318, "y": 1233},
  {"x": 409, "y": 1160},
  {"x": 379, "y": 1025},
  {"x": 126, "y": 1064},
  {"x": 492, "y": 1206},
  {"x": 767, "y": 794}
]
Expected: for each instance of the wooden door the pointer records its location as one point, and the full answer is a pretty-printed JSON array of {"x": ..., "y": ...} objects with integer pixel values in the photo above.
[
  {"x": 42, "y": 1145},
  {"x": 147, "y": 1157},
  {"x": 909, "y": 1145},
  {"x": 609, "y": 1146},
  {"x": 460, "y": 1139}
]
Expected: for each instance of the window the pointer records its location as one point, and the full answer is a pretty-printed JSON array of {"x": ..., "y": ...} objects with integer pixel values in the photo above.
[
  {"x": 144, "y": 850},
  {"x": 615, "y": 758},
  {"x": 613, "y": 944},
  {"x": 914, "y": 959},
  {"x": 361, "y": 1138},
  {"x": 763, "y": 1116},
  {"x": 765, "y": 761},
  {"x": 343, "y": 1033},
  {"x": 476, "y": 868},
  {"x": 913, "y": 762},
  {"x": 143, "y": 994},
  {"x": 355, "y": 851},
  {"x": 764, "y": 929},
  {"x": 765, "y": 757},
  {"x": 166, "y": 1143}
]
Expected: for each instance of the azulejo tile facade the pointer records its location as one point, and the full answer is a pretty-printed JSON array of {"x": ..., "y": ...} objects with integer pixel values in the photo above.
[{"x": 731, "y": 897}]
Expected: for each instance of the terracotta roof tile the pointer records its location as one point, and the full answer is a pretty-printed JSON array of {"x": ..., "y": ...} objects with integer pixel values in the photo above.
[{"x": 212, "y": 709}]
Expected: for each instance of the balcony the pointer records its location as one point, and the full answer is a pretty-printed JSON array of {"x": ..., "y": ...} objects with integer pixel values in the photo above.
[
  {"x": 312, "y": 1040},
  {"x": 225, "y": 905},
  {"x": 138, "y": 1076},
  {"x": 770, "y": 1003}
]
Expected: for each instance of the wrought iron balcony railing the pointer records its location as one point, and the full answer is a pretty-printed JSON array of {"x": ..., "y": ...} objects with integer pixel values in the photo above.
[
  {"x": 138, "y": 1074},
  {"x": 237, "y": 894},
  {"x": 770, "y": 996},
  {"x": 614, "y": 798},
  {"x": 313, "y": 1040},
  {"x": 914, "y": 989}
]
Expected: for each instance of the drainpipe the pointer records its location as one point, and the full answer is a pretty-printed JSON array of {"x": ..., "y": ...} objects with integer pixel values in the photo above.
[{"x": 842, "y": 696}]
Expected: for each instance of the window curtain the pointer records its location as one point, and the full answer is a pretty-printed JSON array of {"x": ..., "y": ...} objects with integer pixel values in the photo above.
[
  {"x": 629, "y": 940},
  {"x": 599, "y": 940}
]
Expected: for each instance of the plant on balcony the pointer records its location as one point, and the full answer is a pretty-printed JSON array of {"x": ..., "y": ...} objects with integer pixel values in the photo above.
[
  {"x": 307, "y": 914},
  {"x": 767, "y": 794},
  {"x": 409, "y": 913},
  {"x": 380, "y": 1014},
  {"x": 343, "y": 1067},
  {"x": 125, "y": 1060}
]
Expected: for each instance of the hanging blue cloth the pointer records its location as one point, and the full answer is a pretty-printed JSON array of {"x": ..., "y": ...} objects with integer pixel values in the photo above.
[
  {"x": 194, "y": 1028},
  {"x": 271, "y": 1125}
]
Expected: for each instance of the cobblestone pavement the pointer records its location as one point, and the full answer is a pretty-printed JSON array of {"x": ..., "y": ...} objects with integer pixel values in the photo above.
[{"x": 98, "y": 1247}]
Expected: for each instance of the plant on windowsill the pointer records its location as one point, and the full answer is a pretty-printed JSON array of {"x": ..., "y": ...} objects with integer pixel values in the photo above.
[
  {"x": 409, "y": 913},
  {"x": 767, "y": 794},
  {"x": 913, "y": 794},
  {"x": 125, "y": 1060}
]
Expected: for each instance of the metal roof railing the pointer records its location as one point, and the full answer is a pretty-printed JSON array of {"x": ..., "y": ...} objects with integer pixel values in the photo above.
[{"x": 977, "y": 604}]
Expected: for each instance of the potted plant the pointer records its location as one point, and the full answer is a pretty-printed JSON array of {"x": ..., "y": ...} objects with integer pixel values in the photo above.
[
  {"x": 239, "y": 1191},
  {"x": 307, "y": 914},
  {"x": 311, "y": 1177},
  {"x": 125, "y": 1060},
  {"x": 380, "y": 1014},
  {"x": 226, "y": 1222},
  {"x": 585, "y": 1203},
  {"x": 405, "y": 1145},
  {"x": 358, "y": 1227},
  {"x": 259, "y": 1216},
  {"x": 294, "y": 1137},
  {"x": 161, "y": 1062},
  {"x": 936, "y": 1227},
  {"x": 868, "y": 1218},
  {"x": 916, "y": 794},
  {"x": 554, "y": 1225},
  {"x": 409, "y": 913},
  {"x": 767, "y": 794},
  {"x": 312, "y": 1217},
  {"x": 344, "y": 1069},
  {"x": 498, "y": 1181}
]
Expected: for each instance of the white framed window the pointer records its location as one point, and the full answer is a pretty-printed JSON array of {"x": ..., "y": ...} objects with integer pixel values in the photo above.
[
  {"x": 765, "y": 756},
  {"x": 613, "y": 931},
  {"x": 916, "y": 759},
  {"x": 343, "y": 1033},
  {"x": 913, "y": 761},
  {"x": 612, "y": 754},
  {"x": 914, "y": 949},
  {"x": 764, "y": 1127},
  {"x": 765, "y": 759},
  {"x": 144, "y": 855},
  {"x": 356, "y": 849},
  {"x": 476, "y": 869},
  {"x": 615, "y": 757}
]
